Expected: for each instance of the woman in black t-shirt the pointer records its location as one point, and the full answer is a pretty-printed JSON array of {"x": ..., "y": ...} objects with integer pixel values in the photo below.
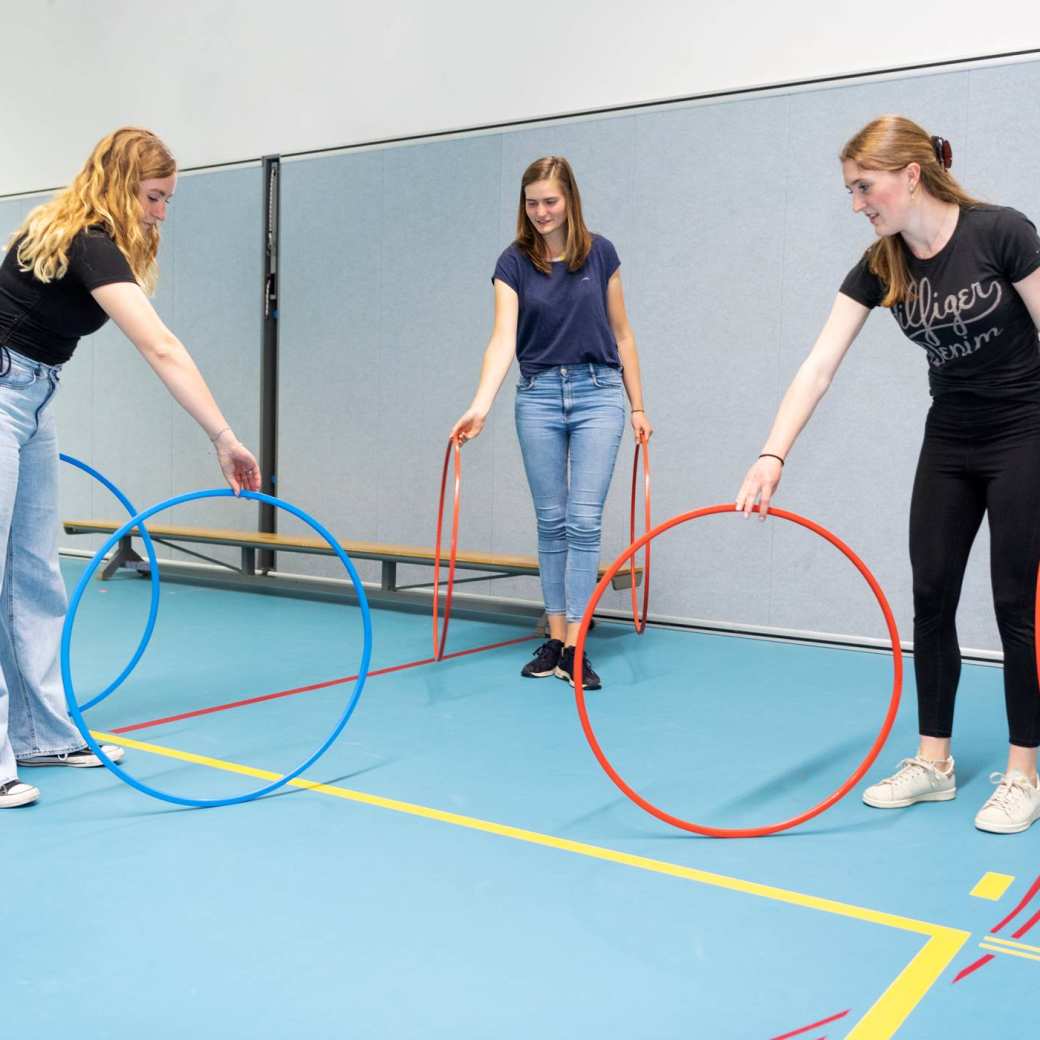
[
  {"x": 962, "y": 280},
  {"x": 78, "y": 260}
]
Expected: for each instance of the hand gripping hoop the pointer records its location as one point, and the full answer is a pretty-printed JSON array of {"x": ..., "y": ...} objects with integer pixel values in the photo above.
[{"x": 773, "y": 828}]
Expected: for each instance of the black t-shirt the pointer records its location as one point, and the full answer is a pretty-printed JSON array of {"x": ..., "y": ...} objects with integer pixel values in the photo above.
[
  {"x": 44, "y": 321},
  {"x": 978, "y": 334}
]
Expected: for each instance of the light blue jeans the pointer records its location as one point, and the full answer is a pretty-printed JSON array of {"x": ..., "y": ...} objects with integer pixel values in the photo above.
[
  {"x": 33, "y": 716},
  {"x": 570, "y": 420}
]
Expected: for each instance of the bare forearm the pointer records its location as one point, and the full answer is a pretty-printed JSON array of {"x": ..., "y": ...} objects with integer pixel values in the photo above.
[
  {"x": 497, "y": 359},
  {"x": 172, "y": 363},
  {"x": 630, "y": 372},
  {"x": 803, "y": 395}
]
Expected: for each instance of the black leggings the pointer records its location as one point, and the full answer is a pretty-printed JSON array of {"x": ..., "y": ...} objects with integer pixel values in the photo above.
[{"x": 973, "y": 461}]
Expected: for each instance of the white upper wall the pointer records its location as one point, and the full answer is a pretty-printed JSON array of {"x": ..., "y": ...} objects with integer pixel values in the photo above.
[{"x": 223, "y": 80}]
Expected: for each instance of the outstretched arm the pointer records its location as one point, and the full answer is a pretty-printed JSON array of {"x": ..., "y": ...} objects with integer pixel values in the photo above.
[
  {"x": 808, "y": 386},
  {"x": 130, "y": 309}
]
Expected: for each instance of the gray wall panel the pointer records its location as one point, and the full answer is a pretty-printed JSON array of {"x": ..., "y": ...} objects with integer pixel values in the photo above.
[{"x": 735, "y": 232}]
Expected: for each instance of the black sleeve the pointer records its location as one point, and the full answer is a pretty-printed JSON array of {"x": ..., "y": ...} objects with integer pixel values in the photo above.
[
  {"x": 95, "y": 260},
  {"x": 1017, "y": 244},
  {"x": 863, "y": 286}
]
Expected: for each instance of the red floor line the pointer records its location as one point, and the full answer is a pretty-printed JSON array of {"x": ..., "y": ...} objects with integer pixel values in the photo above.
[
  {"x": 307, "y": 689},
  {"x": 813, "y": 1025},
  {"x": 1025, "y": 928},
  {"x": 1025, "y": 900},
  {"x": 965, "y": 972},
  {"x": 1022, "y": 904}
]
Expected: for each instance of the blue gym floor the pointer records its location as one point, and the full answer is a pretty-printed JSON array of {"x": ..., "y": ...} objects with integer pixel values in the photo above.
[{"x": 467, "y": 869}]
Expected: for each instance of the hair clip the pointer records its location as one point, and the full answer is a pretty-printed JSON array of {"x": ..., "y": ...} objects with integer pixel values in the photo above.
[{"x": 943, "y": 152}]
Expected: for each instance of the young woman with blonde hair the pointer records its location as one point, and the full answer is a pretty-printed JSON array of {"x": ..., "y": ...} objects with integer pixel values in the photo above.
[
  {"x": 84, "y": 257},
  {"x": 962, "y": 280},
  {"x": 560, "y": 310}
]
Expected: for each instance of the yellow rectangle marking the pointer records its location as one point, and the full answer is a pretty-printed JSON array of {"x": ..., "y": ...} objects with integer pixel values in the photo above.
[
  {"x": 881, "y": 1020},
  {"x": 992, "y": 886},
  {"x": 1014, "y": 953},
  {"x": 1011, "y": 942}
]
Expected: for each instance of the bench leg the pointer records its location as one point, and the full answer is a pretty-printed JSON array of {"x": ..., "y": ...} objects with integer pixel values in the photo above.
[
  {"x": 389, "y": 576},
  {"x": 248, "y": 560},
  {"x": 123, "y": 556}
]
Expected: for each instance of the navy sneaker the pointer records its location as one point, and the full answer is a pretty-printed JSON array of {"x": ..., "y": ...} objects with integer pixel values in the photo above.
[
  {"x": 565, "y": 670},
  {"x": 546, "y": 658}
]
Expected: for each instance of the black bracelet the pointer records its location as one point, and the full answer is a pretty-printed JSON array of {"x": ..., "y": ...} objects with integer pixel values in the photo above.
[{"x": 770, "y": 455}]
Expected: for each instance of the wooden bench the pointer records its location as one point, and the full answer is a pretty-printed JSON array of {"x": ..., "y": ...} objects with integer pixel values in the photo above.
[{"x": 496, "y": 565}]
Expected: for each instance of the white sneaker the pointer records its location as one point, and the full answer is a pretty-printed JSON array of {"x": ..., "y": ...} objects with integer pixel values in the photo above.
[
  {"x": 1013, "y": 806},
  {"x": 83, "y": 759},
  {"x": 15, "y": 793},
  {"x": 916, "y": 780}
]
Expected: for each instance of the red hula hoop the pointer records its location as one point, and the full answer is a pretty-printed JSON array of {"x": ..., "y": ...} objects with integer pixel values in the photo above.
[
  {"x": 637, "y": 621},
  {"x": 745, "y": 832},
  {"x": 438, "y": 643}
]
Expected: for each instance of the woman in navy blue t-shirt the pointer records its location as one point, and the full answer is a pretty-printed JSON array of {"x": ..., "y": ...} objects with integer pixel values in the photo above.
[{"x": 560, "y": 309}]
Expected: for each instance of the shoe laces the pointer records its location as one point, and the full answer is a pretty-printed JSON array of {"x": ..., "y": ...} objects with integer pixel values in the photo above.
[
  {"x": 908, "y": 769},
  {"x": 1010, "y": 791}
]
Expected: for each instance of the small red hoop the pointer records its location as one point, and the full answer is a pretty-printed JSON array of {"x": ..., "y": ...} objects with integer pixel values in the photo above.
[
  {"x": 438, "y": 643},
  {"x": 742, "y": 832}
]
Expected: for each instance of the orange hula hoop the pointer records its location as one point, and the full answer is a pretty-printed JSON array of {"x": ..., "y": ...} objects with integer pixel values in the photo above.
[
  {"x": 773, "y": 828},
  {"x": 639, "y": 621},
  {"x": 439, "y": 638}
]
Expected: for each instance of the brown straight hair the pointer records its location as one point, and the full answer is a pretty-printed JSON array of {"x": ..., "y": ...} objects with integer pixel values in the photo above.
[
  {"x": 892, "y": 143},
  {"x": 579, "y": 239}
]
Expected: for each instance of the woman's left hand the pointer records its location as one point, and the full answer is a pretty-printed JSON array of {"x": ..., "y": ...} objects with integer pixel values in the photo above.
[{"x": 641, "y": 426}]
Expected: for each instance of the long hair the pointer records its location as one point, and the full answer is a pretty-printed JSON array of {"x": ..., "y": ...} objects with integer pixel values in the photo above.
[
  {"x": 104, "y": 193},
  {"x": 891, "y": 143},
  {"x": 579, "y": 239}
]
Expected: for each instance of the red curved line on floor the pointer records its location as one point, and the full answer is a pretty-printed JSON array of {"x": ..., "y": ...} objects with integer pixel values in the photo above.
[{"x": 314, "y": 686}]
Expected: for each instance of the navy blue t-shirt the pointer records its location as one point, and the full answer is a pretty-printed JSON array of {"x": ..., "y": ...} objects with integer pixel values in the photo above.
[{"x": 563, "y": 315}]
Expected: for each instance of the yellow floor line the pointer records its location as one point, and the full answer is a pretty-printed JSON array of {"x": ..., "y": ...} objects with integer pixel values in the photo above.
[
  {"x": 1014, "y": 953},
  {"x": 1011, "y": 942},
  {"x": 879, "y": 1023},
  {"x": 992, "y": 885}
]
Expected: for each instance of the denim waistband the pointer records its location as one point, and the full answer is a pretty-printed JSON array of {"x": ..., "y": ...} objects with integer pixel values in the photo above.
[{"x": 9, "y": 357}]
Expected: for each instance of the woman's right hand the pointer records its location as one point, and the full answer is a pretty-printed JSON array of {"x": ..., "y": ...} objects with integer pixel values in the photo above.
[
  {"x": 759, "y": 485},
  {"x": 469, "y": 425}
]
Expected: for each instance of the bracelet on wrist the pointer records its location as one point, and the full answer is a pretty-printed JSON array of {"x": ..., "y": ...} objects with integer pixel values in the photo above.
[
  {"x": 219, "y": 434},
  {"x": 770, "y": 455},
  {"x": 634, "y": 410}
]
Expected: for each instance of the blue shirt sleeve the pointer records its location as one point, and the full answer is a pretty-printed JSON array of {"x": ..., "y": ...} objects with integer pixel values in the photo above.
[{"x": 508, "y": 270}]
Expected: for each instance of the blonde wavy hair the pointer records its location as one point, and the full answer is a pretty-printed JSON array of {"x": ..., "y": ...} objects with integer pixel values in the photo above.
[
  {"x": 892, "y": 143},
  {"x": 104, "y": 194},
  {"x": 578, "y": 240}
]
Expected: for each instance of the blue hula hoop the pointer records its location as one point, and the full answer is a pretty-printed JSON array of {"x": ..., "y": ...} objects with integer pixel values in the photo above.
[
  {"x": 153, "y": 564},
  {"x": 66, "y": 639}
]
